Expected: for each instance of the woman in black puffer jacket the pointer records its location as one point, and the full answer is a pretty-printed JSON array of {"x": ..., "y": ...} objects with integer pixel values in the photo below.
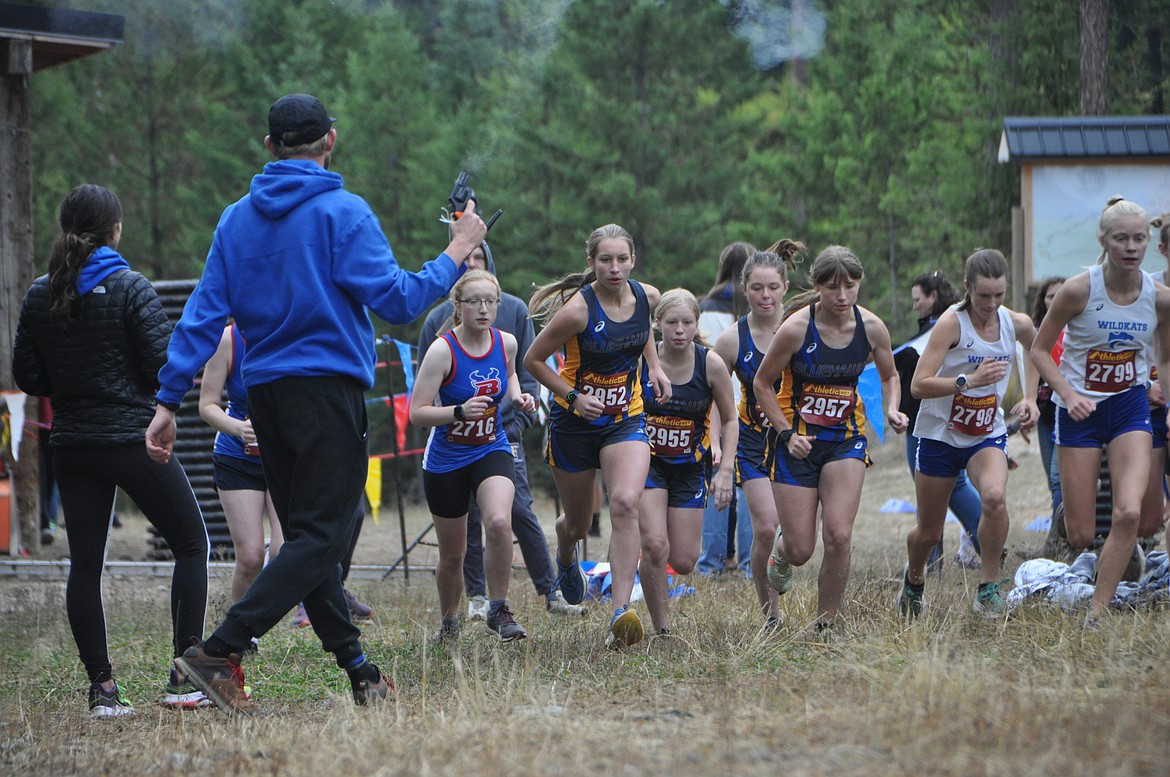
[{"x": 92, "y": 337}]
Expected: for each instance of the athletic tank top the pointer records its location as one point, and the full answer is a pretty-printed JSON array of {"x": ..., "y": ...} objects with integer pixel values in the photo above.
[
  {"x": 1106, "y": 346},
  {"x": 680, "y": 430},
  {"x": 237, "y": 407},
  {"x": 965, "y": 419},
  {"x": 818, "y": 390},
  {"x": 747, "y": 363},
  {"x": 603, "y": 359},
  {"x": 459, "y": 443}
]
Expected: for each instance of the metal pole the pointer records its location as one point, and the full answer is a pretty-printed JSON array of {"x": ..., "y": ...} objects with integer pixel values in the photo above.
[{"x": 387, "y": 340}]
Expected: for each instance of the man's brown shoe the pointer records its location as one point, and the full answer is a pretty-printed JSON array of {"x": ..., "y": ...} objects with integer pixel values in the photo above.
[{"x": 220, "y": 679}]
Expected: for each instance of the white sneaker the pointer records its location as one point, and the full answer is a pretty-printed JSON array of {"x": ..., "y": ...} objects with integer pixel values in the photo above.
[
  {"x": 477, "y": 608},
  {"x": 557, "y": 605},
  {"x": 966, "y": 556}
]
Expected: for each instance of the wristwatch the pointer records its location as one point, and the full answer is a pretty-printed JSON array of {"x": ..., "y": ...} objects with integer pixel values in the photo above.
[
  {"x": 459, "y": 412},
  {"x": 785, "y": 435},
  {"x": 570, "y": 398},
  {"x": 960, "y": 383}
]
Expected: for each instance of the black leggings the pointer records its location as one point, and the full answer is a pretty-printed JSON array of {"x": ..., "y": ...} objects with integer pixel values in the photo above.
[{"x": 86, "y": 478}]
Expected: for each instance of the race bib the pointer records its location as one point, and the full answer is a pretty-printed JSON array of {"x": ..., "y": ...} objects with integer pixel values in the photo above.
[
  {"x": 670, "y": 436},
  {"x": 481, "y": 431},
  {"x": 751, "y": 410},
  {"x": 612, "y": 390},
  {"x": 826, "y": 405},
  {"x": 973, "y": 416},
  {"x": 1110, "y": 371}
]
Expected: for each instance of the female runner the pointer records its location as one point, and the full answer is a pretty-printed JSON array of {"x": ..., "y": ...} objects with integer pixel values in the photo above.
[
  {"x": 1112, "y": 315},
  {"x": 602, "y": 320},
  {"x": 931, "y": 294},
  {"x": 1152, "y": 522},
  {"x": 458, "y": 392},
  {"x": 765, "y": 282},
  {"x": 961, "y": 379},
  {"x": 239, "y": 476},
  {"x": 1154, "y": 506},
  {"x": 1046, "y": 420},
  {"x": 671, "y": 508},
  {"x": 817, "y": 450}
]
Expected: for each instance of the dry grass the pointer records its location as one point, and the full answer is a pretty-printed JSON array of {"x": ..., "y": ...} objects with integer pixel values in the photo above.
[{"x": 947, "y": 695}]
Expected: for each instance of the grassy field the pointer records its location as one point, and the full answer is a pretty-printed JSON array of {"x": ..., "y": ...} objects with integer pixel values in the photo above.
[{"x": 950, "y": 694}]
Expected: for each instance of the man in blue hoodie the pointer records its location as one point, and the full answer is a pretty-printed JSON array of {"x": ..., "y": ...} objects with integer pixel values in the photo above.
[
  {"x": 512, "y": 318},
  {"x": 297, "y": 262}
]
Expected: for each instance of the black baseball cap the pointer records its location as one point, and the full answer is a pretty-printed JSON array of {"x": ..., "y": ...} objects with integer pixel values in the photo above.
[{"x": 296, "y": 119}]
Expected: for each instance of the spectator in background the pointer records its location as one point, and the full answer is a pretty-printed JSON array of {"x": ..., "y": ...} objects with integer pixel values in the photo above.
[
  {"x": 729, "y": 529},
  {"x": 512, "y": 317},
  {"x": 50, "y": 498},
  {"x": 92, "y": 337}
]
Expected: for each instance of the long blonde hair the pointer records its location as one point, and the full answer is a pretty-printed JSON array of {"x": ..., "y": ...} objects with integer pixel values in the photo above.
[{"x": 551, "y": 297}]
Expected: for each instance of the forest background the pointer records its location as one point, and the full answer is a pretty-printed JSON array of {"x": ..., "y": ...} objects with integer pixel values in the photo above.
[{"x": 693, "y": 123}]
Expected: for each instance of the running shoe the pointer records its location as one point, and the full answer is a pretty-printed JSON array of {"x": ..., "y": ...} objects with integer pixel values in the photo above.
[
  {"x": 829, "y": 633},
  {"x": 301, "y": 619},
  {"x": 625, "y": 629},
  {"x": 370, "y": 685},
  {"x": 448, "y": 633},
  {"x": 966, "y": 556},
  {"x": 1136, "y": 566},
  {"x": 477, "y": 608},
  {"x": 571, "y": 580},
  {"x": 556, "y": 604},
  {"x": 108, "y": 704},
  {"x": 988, "y": 601},
  {"x": 909, "y": 601},
  {"x": 779, "y": 568},
  {"x": 181, "y": 694},
  {"x": 503, "y": 623},
  {"x": 358, "y": 612},
  {"x": 220, "y": 679}
]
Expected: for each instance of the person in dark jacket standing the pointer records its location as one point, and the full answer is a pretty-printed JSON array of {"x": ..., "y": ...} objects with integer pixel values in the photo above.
[
  {"x": 513, "y": 319},
  {"x": 92, "y": 336},
  {"x": 298, "y": 261}
]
